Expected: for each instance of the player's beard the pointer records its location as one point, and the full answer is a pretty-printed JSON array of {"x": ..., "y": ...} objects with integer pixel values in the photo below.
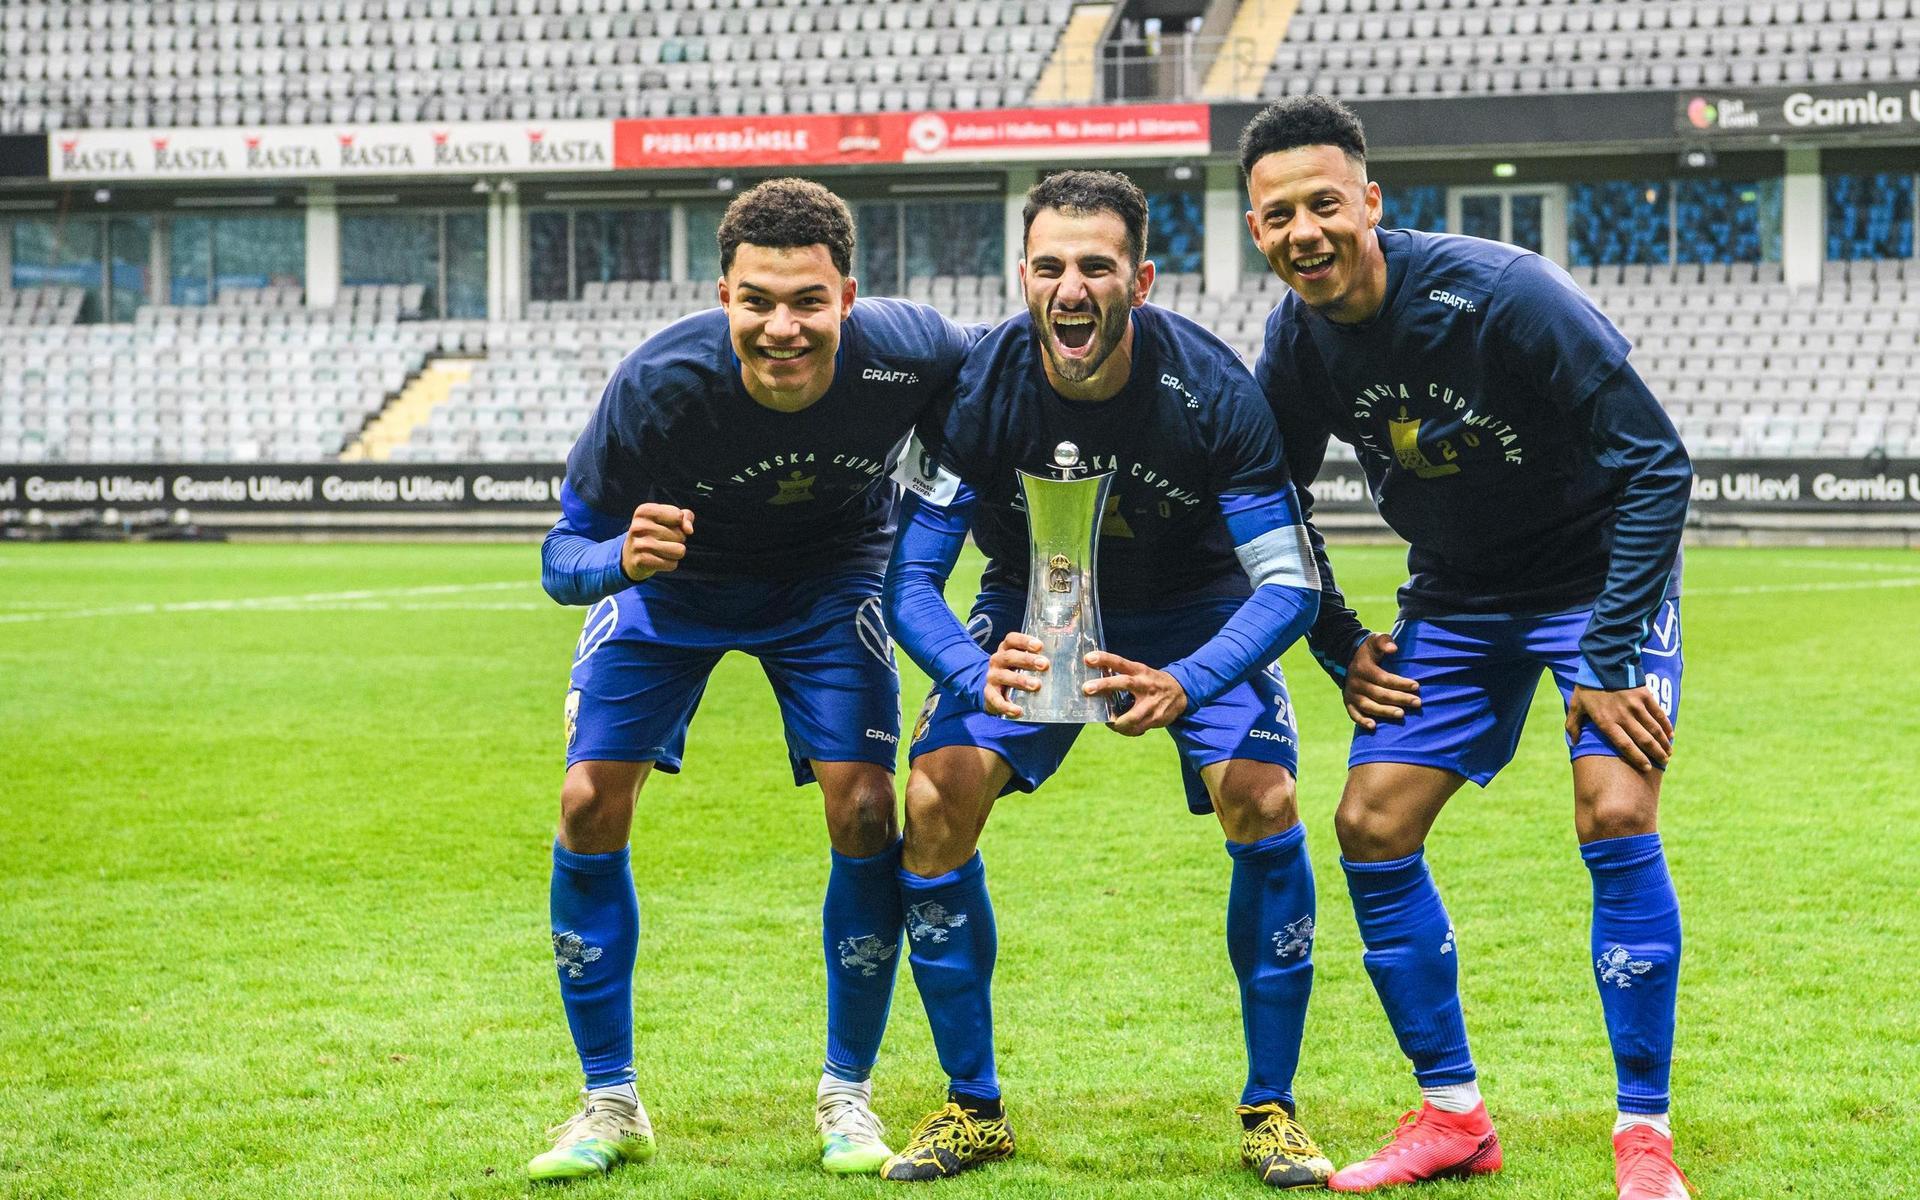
[{"x": 1109, "y": 328}]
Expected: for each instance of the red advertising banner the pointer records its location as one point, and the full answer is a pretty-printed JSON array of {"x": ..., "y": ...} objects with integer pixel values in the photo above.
[
  {"x": 1005, "y": 135},
  {"x": 799, "y": 139},
  {"x": 1030, "y": 134}
]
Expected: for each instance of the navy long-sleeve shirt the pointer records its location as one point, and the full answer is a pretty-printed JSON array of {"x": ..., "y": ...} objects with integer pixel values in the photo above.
[
  {"x": 1503, "y": 434},
  {"x": 775, "y": 495}
]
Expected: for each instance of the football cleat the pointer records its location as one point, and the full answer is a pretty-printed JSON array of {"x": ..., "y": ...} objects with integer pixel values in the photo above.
[
  {"x": 949, "y": 1141},
  {"x": 1427, "y": 1144},
  {"x": 606, "y": 1132},
  {"x": 852, "y": 1140},
  {"x": 1643, "y": 1166},
  {"x": 1279, "y": 1150}
]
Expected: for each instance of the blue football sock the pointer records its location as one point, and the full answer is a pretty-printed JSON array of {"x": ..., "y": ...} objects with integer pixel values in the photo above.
[
  {"x": 860, "y": 926},
  {"x": 952, "y": 945},
  {"x": 1414, "y": 964},
  {"x": 1636, "y": 958},
  {"x": 1270, "y": 916},
  {"x": 596, "y": 933}
]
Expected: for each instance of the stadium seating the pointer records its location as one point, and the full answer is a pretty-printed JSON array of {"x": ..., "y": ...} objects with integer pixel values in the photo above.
[
  {"x": 134, "y": 64},
  {"x": 1357, "y": 49},
  {"x": 41, "y": 306},
  {"x": 1746, "y": 366},
  {"x": 254, "y": 379}
]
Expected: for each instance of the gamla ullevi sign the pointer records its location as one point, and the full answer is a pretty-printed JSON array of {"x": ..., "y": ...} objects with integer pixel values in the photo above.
[
  {"x": 330, "y": 151},
  {"x": 1844, "y": 108}
]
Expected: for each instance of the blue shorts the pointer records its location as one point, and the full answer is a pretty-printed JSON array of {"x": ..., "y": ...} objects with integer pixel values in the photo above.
[
  {"x": 1477, "y": 676},
  {"x": 644, "y": 656},
  {"x": 1252, "y": 720}
]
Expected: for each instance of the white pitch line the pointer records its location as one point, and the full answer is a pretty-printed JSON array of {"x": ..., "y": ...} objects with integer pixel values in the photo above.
[
  {"x": 273, "y": 603},
  {"x": 1837, "y": 565},
  {"x": 1842, "y": 585},
  {"x": 1759, "y": 589}
]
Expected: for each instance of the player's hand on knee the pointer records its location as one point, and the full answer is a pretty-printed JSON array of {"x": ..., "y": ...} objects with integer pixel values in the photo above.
[
  {"x": 1158, "y": 698},
  {"x": 1372, "y": 692},
  {"x": 1631, "y": 720},
  {"x": 1014, "y": 667},
  {"x": 656, "y": 540}
]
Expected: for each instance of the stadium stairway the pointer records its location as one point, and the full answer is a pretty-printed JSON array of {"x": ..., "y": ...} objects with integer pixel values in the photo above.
[
  {"x": 394, "y": 424},
  {"x": 1070, "y": 76},
  {"x": 1260, "y": 24}
]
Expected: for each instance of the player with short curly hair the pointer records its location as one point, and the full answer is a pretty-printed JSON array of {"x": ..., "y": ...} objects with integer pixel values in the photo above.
[{"x": 730, "y": 493}]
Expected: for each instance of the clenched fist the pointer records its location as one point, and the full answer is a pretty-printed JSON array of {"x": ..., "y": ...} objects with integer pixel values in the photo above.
[{"x": 656, "y": 541}]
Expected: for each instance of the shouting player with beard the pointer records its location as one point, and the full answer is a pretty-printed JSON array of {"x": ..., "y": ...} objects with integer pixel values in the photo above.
[{"x": 1204, "y": 576}]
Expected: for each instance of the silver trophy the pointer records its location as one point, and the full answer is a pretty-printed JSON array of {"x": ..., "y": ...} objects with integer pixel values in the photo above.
[{"x": 1063, "y": 518}]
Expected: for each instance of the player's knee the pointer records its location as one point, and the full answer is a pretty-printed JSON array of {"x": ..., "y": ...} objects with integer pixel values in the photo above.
[
  {"x": 942, "y": 826},
  {"x": 1370, "y": 832},
  {"x": 596, "y": 805},
  {"x": 1613, "y": 815},
  {"x": 861, "y": 822},
  {"x": 1248, "y": 815}
]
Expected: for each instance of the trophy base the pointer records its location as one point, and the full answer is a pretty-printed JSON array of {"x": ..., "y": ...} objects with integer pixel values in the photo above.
[{"x": 1060, "y": 700}]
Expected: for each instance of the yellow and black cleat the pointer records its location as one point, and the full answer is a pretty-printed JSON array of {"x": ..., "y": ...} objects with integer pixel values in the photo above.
[
  {"x": 948, "y": 1142},
  {"x": 1278, "y": 1149}
]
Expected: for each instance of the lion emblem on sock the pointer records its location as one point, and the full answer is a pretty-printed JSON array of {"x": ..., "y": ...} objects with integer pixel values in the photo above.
[
  {"x": 1296, "y": 938},
  {"x": 571, "y": 954},
  {"x": 865, "y": 954},
  {"x": 1618, "y": 967},
  {"x": 930, "y": 921}
]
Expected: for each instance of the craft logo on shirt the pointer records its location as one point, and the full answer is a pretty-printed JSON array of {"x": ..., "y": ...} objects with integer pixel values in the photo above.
[
  {"x": 1452, "y": 301},
  {"x": 1172, "y": 382},
  {"x": 880, "y": 375},
  {"x": 796, "y": 488}
]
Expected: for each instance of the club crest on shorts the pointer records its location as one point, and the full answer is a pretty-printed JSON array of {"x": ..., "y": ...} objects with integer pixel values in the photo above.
[
  {"x": 571, "y": 954},
  {"x": 872, "y": 629},
  {"x": 1619, "y": 968},
  {"x": 926, "y": 716},
  {"x": 573, "y": 715},
  {"x": 929, "y": 921},
  {"x": 601, "y": 621},
  {"x": 980, "y": 629},
  {"x": 1663, "y": 632},
  {"x": 1296, "y": 938},
  {"x": 865, "y": 954}
]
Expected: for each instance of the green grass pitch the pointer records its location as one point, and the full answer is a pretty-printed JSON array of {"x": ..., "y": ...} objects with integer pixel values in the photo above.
[{"x": 273, "y": 868}]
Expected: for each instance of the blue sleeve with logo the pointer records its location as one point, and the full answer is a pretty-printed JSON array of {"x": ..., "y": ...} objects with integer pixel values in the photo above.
[{"x": 1272, "y": 546}]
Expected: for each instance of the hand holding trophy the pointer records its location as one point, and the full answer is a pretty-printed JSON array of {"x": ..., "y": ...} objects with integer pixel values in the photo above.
[{"x": 1063, "y": 610}]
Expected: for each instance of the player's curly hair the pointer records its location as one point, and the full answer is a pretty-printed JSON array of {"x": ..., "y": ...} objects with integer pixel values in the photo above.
[
  {"x": 1302, "y": 121},
  {"x": 782, "y": 214},
  {"x": 1084, "y": 192}
]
